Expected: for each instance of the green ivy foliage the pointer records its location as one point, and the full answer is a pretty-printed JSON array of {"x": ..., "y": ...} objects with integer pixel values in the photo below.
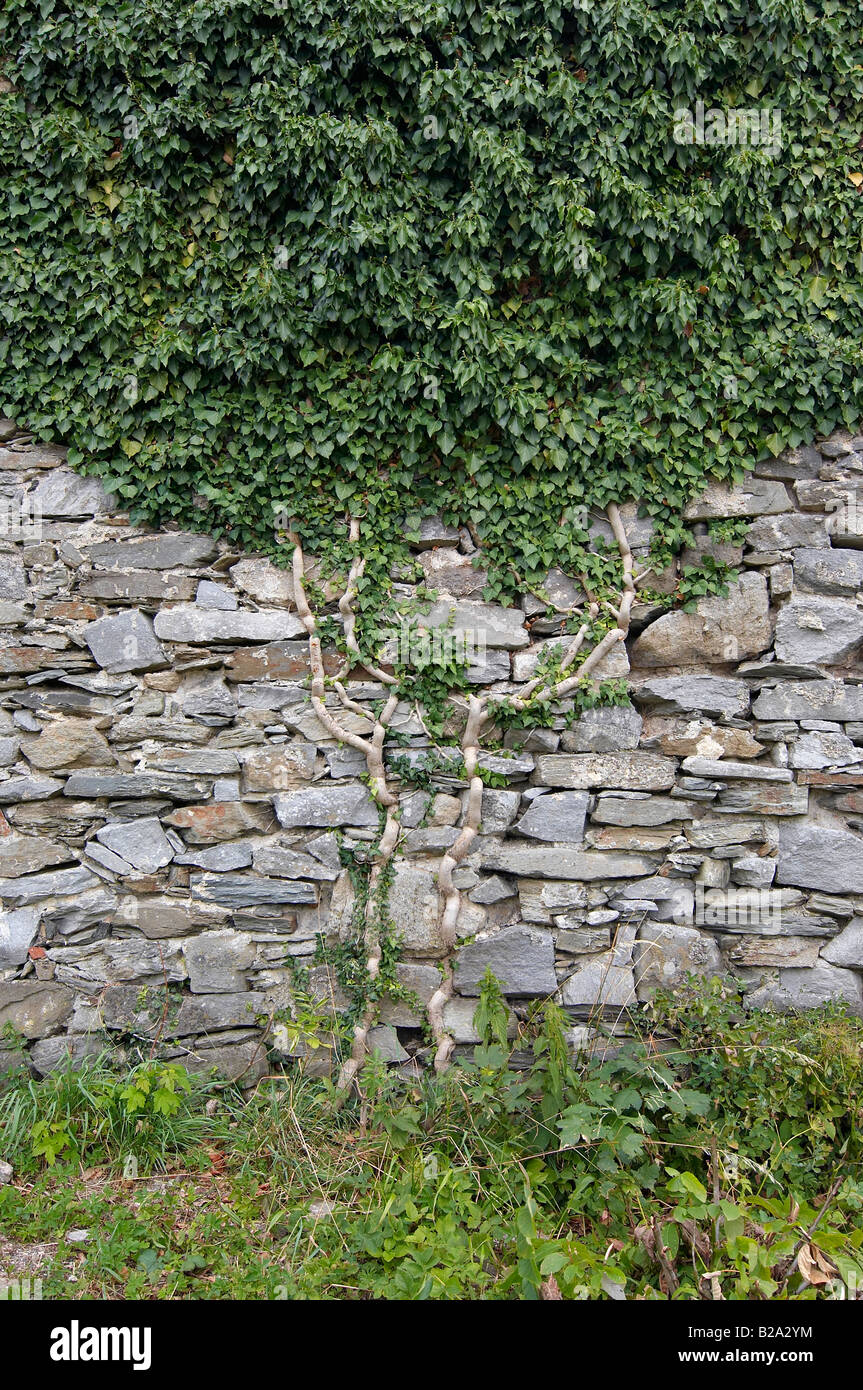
[{"x": 303, "y": 257}]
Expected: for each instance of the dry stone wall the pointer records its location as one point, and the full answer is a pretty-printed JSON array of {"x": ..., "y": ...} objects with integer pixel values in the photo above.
[{"x": 173, "y": 815}]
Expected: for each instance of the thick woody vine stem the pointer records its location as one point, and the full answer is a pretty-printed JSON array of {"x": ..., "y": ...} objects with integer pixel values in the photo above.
[
  {"x": 372, "y": 750},
  {"x": 535, "y": 690}
]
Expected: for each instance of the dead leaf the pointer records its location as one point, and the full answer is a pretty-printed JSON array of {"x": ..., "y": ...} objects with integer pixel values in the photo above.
[
  {"x": 856, "y": 179},
  {"x": 808, "y": 1264}
]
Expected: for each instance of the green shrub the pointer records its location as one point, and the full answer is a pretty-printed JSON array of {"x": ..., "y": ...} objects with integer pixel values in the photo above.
[{"x": 265, "y": 259}]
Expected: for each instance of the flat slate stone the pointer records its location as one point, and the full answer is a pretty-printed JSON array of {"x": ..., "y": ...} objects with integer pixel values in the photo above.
[
  {"x": 172, "y": 550},
  {"x": 714, "y": 695},
  {"x": 579, "y": 771},
  {"x": 16, "y": 789},
  {"x": 756, "y": 497},
  {"x": 326, "y": 806},
  {"x": 815, "y": 629},
  {"x": 653, "y": 810},
  {"x": 725, "y": 767},
  {"x": 35, "y": 887},
  {"x": 541, "y": 861},
  {"x": 34, "y": 1007},
  {"x": 817, "y": 856},
  {"x": 63, "y": 494},
  {"x": 142, "y": 843},
  {"x": 247, "y": 890},
  {"x": 186, "y": 622},
  {"x": 27, "y": 854},
  {"x": 719, "y": 630},
  {"x": 521, "y": 957},
  {"x": 809, "y": 989},
  {"x": 810, "y": 699},
  {"x": 17, "y": 931},
  {"x": 829, "y": 571},
  {"x": 485, "y": 624},
  {"x": 605, "y": 730},
  {"x": 556, "y": 816},
  {"x": 125, "y": 643},
  {"x": 598, "y": 982},
  {"x": 288, "y": 863},
  {"x": 134, "y": 785}
]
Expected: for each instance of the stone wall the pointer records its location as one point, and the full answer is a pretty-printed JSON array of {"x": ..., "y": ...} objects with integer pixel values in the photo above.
[{"x": 172, "y": 811}]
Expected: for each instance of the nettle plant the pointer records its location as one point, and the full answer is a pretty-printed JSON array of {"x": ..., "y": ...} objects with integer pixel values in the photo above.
[{"x": 515, "y": 265}]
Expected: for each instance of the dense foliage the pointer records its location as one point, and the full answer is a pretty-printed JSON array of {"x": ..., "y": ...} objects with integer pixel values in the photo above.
[
  {"x": 264, "y": 255},
  {"x": 720, "y": 1162}
]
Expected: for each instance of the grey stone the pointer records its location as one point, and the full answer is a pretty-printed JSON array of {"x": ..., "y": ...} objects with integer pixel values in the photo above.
[
  {"x": 521, "y": 958},
  {"x": 788, "y": 532},
  {"x": 189, "y": 623},
  {"x": 544, "y": 902},
  {"x": 16, "y": 789},
  {"x": 430, "y": 839},
  {"x": 430, "y": 531},
  {"x": 79, "y": 915},
  {"x": 719, "y": 696},
  {"x": 492, "y": 889},
  {"x": 213, "y": 762},
  {"x": 846, "y": 949},
  {"x": 813, "y": 629},
  {"x": 142, "y": 843},
  {"x": 34, "y": 1007},
  {"x": 753, "y": 871},
  {"x": 579, "y": 771},
  {"x": 326, "y": 806},
  {"x": 383, "y": 1041},
  {"x": 829, "y": 571},
  {"x": 614, "y": 664},
  {"x": 809, "y": 989},
  {"x": 421, "y": 981},
  {"x": 499, "y": 809},
  {"x": 55, "y": 1054},
  {"x": 757, "y": 497},
  {"x": 724, "y": 767},
  {"x": 243, "y": 1064},
  {"x": 113, "y": 587},
  {"x": 719, "y": 630},
  {"x": 125, "y": 643},
  {"x": 263, "y": 581},
  {"x": 414, "y": 906},
  {"x": 217, "y": 961},
  {"x": 818, "y": 750},
  {"x": 213, "y": 1013},
  {"x": 653, "y": 810},
  {"x": 17, "y": 930},
  {"x": 98, "y": 854},
  {"x": 134, "y": 785},
  {"x": 247, "y": 890},
  {"x": 289, "y": 863},
  {"x": 34, "y": 887},
  {"x": 810, "y": 699},
  {"x": 599, "y": 983},
  {"x": 556, "y": 816},
  {"x": 604, "y": 730},
  {"x": 65, "y": 495},
  {"x": 763, "y": 798},
  {"x": 484, "y": 624},
  {"x": 27, "y": 854},
  {"x": 206, "y": 693},
  {"x": 166, "y": 552},
  {"x": 541, "y": 861},
  {"x": 210, "y": 595},
  {"x": 220, "y": 859},
  {"x": 665, "y": 955},
  {"x": 458, "y": 1020},
  {"x": 816, "y": 856},
  {"x": 13, "y": 577}
]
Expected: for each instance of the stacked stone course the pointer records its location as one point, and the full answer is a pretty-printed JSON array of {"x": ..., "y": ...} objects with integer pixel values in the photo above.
[{"x": 171, "y": 808}]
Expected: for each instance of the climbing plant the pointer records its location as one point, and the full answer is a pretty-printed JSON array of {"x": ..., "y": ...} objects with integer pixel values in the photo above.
[{"x": 510, "y": 261}]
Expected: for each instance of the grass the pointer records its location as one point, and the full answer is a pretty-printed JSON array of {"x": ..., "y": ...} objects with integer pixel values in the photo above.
[{"x": 736, "y": 1151}]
